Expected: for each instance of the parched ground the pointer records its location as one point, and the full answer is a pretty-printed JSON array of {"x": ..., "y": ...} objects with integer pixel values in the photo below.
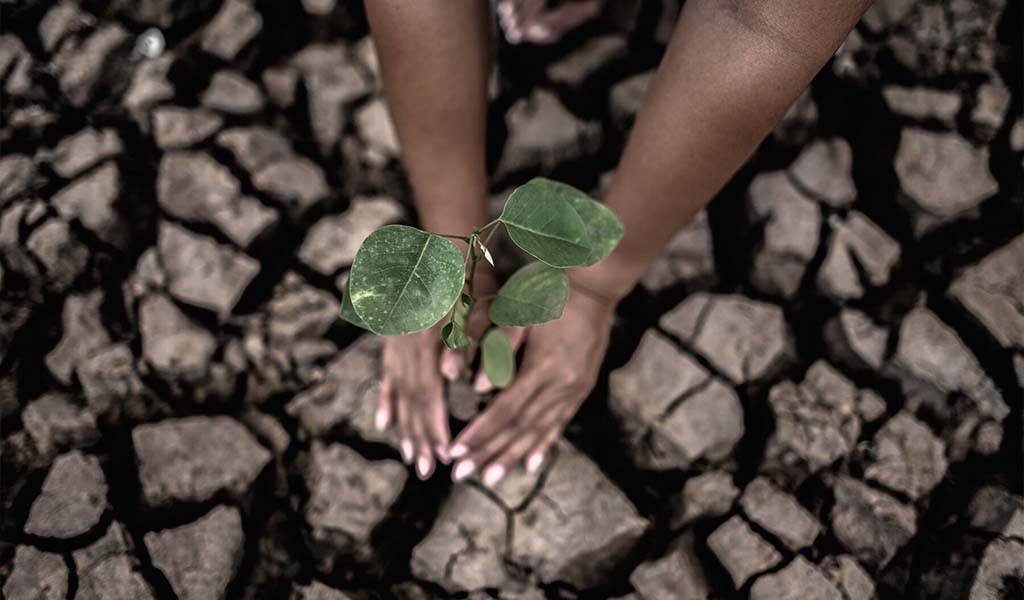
[{"x": 816, "y": 393}]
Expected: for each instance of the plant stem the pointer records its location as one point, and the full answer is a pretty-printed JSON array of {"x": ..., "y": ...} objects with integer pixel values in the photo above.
[
  {"x": 490, "y": 235},
  {"x": 473, "y": 258},
  {"x": 491, "y": 224},
  {"x": 454, "y": 237}
]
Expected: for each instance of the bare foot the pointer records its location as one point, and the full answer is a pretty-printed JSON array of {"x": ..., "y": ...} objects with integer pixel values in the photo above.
[{"x": 534, "y": 22}]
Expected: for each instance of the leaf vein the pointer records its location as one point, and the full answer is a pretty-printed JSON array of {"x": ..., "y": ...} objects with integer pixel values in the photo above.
[
  {"x": 398, "y": 300},
  {"x": 548, "y": 235}
]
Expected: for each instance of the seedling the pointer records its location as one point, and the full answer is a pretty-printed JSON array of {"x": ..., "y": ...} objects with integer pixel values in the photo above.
[{"x": 406, "y": 280}]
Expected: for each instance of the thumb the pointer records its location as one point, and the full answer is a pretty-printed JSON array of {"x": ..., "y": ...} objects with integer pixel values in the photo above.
[{"x": 453, "y": 361}]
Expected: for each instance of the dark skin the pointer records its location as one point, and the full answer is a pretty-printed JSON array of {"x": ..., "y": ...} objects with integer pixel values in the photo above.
[{"x": 729, "y": 73}]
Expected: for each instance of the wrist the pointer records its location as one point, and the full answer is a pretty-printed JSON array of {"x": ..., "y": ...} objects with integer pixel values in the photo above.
[
  {"x": 590, "y": 307},
  {"x": 609, "y": 280}
]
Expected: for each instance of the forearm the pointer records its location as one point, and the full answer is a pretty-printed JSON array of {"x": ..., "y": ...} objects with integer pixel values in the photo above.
[
  {"x": 435, "y": 57},
  {"x": 729, "y": 73}
]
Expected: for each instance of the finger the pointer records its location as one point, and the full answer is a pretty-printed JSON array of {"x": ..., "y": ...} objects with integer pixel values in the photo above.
[
  {"x": 498, "y": 415},
  {"x": 493, "y": 428},
  {"x": 405, "y": 426},
  {"x": 507, "y": 16},
  {"x": 505, "y": 8},
  {"x": 508, "y": 456},
  {"x": 539, "y": 33},
  {"x": 533, "y": 414},
  {"x": 385, "y": 403},
  {"x": 505, "y": 431},
  {"x": 421, "y": 443},
  {"x": 452, "y": 363},
  {"x": 490, "y": 472},
  {"x": 516, "y": 336},
  {"x": 435, "y": 422},
  {"x": 569, "y": 16},
  {"x": 535, "y": 456}
]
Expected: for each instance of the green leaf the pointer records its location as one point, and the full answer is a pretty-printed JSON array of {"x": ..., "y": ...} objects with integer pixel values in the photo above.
[
  {"x": 405, "y": 280},
  {"x": 499, "y": 361},
  {"x": 347, "y": 312},
  {"x": 603, "y": 227},
  {"x": 453, "y": 334},
  {"x": 541, "y": 220},
  {"x": 534, "y": 294}
]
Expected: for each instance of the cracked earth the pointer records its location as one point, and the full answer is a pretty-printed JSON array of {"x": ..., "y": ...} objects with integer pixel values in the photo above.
[{"x": 815, "y": 393}]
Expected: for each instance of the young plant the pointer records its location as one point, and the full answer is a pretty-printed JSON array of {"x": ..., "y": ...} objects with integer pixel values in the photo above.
[{"x": 405, "y": 280}]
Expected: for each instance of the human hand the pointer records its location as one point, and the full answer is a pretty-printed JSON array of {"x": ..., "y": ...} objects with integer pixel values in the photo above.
[
  {"x": 559, "y": 369},
  {"x": 412, "y": 393}
]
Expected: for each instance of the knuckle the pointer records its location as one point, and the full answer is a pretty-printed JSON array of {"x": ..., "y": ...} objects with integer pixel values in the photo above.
[
  {"x": 568, "y": 377},
  {"x": 515, "y": 421},
  {"x": 548, "y": 364}
]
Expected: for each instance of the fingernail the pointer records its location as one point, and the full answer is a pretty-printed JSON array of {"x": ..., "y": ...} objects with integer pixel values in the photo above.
[
  {"x": 513, "y": 35},
  {"x": 380, "y": 419},
  {"x": 482, "y": 385},
  {"x": 442, "y": 453},
  {"x": 534, "y": 461},
  {"x": 504, "y": 9},
  {"x": 407, "y": 451},
  {"x": 463, "y": 470},
  {"x": 493, "y": 475},
  {"x": 451, "y": 365},
  {"x": 538, "y": 32},
  {"x": 423, "y": 467},
  {"x": 458, "y": 450}
]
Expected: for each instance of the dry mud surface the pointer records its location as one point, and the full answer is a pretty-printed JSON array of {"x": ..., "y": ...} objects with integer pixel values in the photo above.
[{"x": 815, "y": 393}]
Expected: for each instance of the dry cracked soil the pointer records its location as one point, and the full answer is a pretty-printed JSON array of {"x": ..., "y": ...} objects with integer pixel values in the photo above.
[{"x": 815, "y": 393}]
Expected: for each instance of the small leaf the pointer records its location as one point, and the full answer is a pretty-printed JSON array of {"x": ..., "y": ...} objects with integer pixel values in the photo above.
[
  {"x": 499, "y": 362},
  {"x": 347, "y": 312},
  {"x": 534, "y": 294},
  {"x": 404, "y": 280},
  {"x": 541, "y": 220},
  {"x": 453, "y": 336},
  {"x": 487, "y": 253}
]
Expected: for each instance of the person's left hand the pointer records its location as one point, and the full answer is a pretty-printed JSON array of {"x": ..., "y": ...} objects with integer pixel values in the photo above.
[
  {"x": 560, "y": 367},
  {"x": 411, "y": 391}
]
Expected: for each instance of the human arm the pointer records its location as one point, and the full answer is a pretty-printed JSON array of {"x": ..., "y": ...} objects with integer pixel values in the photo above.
[
  {"x": 434, "y": 57},
  {"x": 729, "y": 73}
]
